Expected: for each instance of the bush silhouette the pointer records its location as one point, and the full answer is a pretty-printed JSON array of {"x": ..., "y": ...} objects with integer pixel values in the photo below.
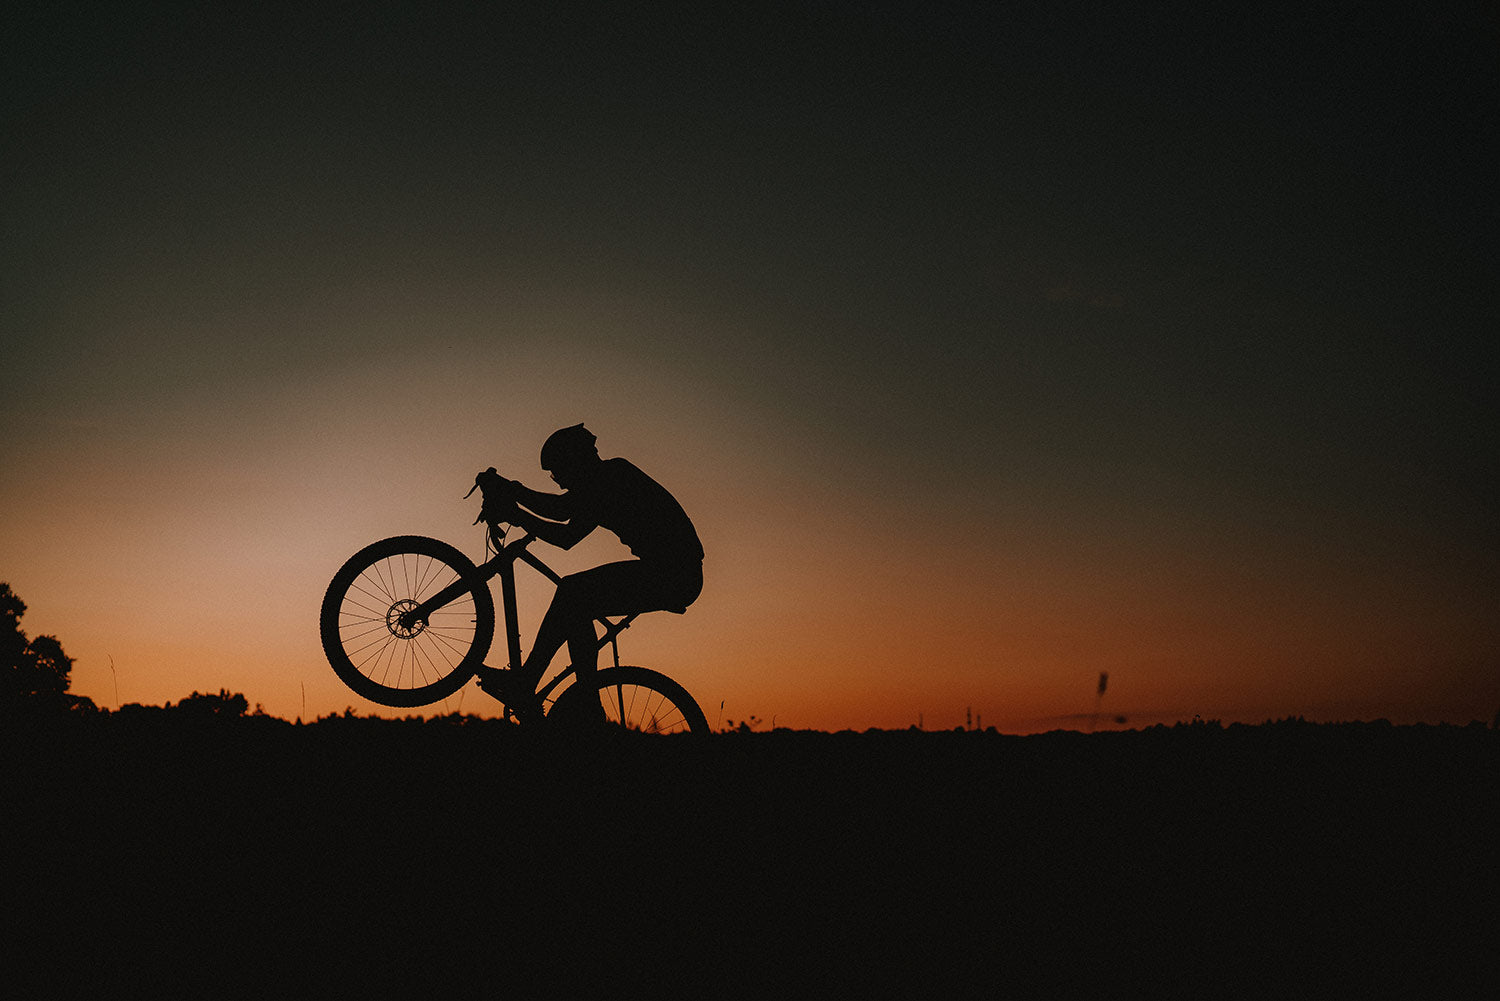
[{"x": 221, "y": 706}]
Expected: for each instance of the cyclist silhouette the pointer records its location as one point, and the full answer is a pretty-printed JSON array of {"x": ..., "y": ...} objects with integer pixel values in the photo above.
[{"x": 666, "y": 574}]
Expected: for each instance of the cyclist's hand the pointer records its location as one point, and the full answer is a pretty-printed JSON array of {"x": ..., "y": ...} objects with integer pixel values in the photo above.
[
  {"x": 499, "y": 497},
  {"x": 498, "y": 514},
  {"x": 492, "y": 484}
]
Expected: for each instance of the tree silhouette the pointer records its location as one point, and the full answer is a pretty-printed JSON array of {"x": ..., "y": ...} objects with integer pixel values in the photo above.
[{"x": 33, "y": 673}]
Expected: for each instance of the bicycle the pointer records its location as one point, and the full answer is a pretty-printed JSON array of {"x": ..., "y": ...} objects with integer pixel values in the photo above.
[{"x": 407, "y": 621}]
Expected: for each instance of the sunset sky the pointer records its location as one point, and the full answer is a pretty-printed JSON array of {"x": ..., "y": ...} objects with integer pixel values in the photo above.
[{"x": 990, "y": 347}]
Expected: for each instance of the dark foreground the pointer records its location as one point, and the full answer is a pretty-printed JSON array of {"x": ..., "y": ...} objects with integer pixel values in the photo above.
[{"x": 354, "y": 854}]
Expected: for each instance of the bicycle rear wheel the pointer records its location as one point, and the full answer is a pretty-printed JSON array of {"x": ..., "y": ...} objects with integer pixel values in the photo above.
[
  {"x": 396, "y": 663},
  {"x": 636, "y": 699}
]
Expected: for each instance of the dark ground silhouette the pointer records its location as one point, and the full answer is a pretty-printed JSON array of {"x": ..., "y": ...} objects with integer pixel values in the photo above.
[{"x": 364, "y": 853}]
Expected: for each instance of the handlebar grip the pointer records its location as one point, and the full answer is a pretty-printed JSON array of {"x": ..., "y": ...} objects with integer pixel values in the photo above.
[{"x": 499, "y": 494}]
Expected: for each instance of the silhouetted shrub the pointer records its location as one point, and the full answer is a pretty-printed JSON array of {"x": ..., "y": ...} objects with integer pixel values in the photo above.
[{"x": 221, "y": 706}]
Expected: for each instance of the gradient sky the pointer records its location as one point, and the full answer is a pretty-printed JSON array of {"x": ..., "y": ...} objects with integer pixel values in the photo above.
[{"x": 989, "y": 346}]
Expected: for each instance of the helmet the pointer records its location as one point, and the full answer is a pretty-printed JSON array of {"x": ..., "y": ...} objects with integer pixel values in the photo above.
[{"x": 566, "y": 443}]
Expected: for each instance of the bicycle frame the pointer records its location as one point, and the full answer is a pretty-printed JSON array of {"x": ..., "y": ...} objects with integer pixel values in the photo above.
[{"x": 503, "y": 565}]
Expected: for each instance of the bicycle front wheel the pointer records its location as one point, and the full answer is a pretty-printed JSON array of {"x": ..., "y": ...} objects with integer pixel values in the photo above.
[
  {"x": 377, "y": 650},
  {"x": 636, "y": 699}
]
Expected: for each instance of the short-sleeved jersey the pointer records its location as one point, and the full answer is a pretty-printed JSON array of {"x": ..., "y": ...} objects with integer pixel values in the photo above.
[{"x": 640, "y": 511}]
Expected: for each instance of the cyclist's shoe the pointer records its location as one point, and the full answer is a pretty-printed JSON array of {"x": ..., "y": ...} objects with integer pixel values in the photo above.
[{"x": 519, "y": 697}]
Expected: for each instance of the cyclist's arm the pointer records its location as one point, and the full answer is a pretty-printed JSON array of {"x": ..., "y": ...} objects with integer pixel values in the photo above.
[
  {"x": 560, "y": 523},
  {"x": 562, "y": 534},
  {"x": 553, "y": 507}
]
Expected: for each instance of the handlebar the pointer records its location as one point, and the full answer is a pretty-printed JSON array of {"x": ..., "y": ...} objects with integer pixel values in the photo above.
[
  {"x": 498, "y": 492},
  {"x": 487, "y": 481}
]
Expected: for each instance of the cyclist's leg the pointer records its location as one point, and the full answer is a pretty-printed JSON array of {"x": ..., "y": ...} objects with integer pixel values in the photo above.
[
  {"x": 612, "y": 589},
  {"x": 635, "y": 586}
]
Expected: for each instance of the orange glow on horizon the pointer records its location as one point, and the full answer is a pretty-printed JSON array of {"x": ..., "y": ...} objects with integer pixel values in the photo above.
[{"x": 193, "y": 549}]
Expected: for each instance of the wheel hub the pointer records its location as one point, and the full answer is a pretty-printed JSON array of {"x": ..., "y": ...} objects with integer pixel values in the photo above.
[{"x": 401, "y": 620}]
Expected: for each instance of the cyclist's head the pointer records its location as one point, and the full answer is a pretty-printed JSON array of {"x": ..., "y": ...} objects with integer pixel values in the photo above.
[{"x": 568, "y": 449}]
